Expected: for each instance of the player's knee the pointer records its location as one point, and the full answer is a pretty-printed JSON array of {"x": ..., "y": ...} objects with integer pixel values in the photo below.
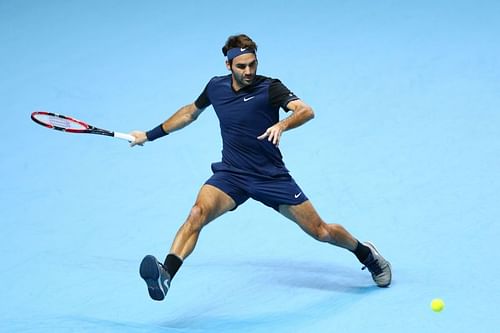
[
  {"x": 328, "y": 232},
  {"x": 197, "y": 217},
  {"x": 321, "y": 233}
]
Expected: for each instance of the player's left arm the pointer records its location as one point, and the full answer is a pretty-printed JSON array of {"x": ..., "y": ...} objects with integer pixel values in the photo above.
[{"x": 301, "y": 113}]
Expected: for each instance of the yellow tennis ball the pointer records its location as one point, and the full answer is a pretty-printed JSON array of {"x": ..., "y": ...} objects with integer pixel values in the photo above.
[{"x": 437, "y": 305}]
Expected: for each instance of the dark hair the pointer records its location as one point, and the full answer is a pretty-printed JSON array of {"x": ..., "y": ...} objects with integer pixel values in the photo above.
[{"x": 241, "y": 41}]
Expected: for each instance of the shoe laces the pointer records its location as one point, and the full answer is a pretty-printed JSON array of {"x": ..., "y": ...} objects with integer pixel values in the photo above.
[{"x": 373, "y": 266}]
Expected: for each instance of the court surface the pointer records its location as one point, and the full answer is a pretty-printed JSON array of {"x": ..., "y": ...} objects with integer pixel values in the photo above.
[{"x": 404, "y": 151}]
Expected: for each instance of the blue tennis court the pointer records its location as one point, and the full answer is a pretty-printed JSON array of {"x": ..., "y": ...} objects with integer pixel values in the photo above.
[{"x": 404, "y": 151}]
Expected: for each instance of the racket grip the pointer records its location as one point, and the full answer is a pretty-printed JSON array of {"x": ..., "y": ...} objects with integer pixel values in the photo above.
[{"x": 124, "y": 136}]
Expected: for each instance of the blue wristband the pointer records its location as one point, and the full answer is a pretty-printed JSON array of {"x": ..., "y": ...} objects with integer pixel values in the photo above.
[{"x": 156, "y": 133}]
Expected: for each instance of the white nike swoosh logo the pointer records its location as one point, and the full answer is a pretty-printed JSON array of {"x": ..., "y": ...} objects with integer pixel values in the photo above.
[
  {"x": 242, "y": 50},
  {"x": 246, "y": 99},
  {"x": 297, "y": 195}
]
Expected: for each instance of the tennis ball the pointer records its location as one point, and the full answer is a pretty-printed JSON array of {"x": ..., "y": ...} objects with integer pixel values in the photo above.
[{"x": 437, "y": 305}]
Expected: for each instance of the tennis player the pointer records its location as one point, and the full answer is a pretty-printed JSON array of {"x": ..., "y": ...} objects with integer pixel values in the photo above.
[{"x": 247, "y": 106}]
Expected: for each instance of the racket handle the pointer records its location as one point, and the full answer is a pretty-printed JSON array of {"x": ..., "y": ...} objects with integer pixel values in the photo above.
[{"x": 124, "y": 136}]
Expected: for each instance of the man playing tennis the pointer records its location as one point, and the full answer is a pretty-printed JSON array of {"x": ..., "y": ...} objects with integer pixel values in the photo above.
[{"x": 247, "y": 106}]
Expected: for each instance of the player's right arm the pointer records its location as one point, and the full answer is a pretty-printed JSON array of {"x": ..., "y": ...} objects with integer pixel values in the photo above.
[{"x": 180, "y": 119}]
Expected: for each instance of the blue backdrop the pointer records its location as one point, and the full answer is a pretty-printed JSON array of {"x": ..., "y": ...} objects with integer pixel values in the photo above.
[{"x": 404, "y": 151}]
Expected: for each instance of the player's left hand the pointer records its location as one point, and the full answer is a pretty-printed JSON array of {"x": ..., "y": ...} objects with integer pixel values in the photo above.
[{"x": 273, "y": 134}]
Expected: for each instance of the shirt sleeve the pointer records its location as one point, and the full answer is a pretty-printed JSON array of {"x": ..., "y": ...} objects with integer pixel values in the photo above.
[
  {"x": 203, "y": 101},
  {"x": 280, "y": 95}
]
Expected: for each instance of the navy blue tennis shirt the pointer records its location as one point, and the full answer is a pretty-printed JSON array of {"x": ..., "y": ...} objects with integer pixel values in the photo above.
[{"x": 243, "y": 116}]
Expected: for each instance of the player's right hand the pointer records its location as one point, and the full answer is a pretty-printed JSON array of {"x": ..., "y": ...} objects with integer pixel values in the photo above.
[{"x": 140, "y": 138}]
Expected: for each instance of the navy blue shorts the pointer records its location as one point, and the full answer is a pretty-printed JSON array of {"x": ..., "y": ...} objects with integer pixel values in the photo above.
[{"x": 271, "y": 191}]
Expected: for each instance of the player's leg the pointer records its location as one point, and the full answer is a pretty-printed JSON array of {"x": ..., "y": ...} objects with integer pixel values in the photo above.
[
  {"x": 306, "y": 217},
  {"x": 210, "y": 203},
  {"x": 309, "y": 220}
]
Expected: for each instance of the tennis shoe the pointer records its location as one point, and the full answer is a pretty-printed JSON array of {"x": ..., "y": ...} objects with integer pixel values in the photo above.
[
  {"x": 378, "y": 267},
  {"x": 156, "y": 277}
]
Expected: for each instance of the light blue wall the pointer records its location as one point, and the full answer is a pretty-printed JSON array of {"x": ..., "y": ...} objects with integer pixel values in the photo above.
[{"x": 404, "y": 151}]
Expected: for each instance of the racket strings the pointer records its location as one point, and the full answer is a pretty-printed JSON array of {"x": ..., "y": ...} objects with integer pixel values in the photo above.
[{"x": 59, "y": 122}]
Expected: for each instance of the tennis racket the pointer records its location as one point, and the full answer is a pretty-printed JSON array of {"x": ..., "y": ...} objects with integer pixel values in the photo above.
[{"x": 71, "y": 125}]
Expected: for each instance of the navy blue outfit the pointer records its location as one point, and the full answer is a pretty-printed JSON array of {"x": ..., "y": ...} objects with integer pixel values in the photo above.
[{"x": 250, "y": 168}]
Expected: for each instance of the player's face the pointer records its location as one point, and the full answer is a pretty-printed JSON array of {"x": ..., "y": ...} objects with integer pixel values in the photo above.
[{"x": 244, "y": 69}]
